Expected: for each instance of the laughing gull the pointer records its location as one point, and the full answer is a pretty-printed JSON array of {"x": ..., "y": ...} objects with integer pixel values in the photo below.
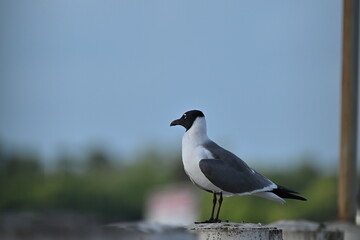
[{"x": 216, "y": 170}]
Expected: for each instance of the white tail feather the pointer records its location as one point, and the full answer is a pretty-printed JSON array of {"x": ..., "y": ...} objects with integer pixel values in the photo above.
[{"x": 270, "y": 196}]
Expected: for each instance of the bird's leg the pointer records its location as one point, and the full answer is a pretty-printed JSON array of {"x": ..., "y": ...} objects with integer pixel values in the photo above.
[
  {"x": 213, "y": 209},
  {"x": 218, "y": 211},
  {"x": 212, "y": 220}
]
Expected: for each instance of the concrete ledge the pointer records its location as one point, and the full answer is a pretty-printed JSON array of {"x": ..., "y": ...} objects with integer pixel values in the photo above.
[
  {"x": 288, "y": 229},
  {"x": 232, "y": 231}
]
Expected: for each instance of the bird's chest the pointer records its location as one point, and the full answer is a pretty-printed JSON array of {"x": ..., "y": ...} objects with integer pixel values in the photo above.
[{"x": 192, "y": 153}]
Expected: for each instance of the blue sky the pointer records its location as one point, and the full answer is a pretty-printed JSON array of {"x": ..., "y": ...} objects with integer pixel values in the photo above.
[{"x": 115, "y": 73}]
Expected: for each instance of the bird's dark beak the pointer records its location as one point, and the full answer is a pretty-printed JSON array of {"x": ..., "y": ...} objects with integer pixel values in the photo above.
[{"x": 175, "y": 122}]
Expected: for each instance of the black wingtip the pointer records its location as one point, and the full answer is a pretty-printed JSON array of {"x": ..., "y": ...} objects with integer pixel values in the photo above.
[
  {"x": 292, "y": 196},
  {"x": 284, "y": 192}
]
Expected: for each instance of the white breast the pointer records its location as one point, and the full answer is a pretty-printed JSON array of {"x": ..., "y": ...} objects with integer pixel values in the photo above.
[{"x": 193, "y": 151}]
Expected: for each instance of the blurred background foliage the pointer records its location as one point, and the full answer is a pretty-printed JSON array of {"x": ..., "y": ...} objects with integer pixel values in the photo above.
[{"x": 115, "y": 189}]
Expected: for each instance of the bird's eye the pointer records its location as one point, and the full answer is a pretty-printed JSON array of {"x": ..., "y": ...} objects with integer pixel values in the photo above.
[{"x": 184, "y": 116}]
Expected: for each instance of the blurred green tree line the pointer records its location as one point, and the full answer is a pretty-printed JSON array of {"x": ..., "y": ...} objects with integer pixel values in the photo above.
[{"x": 116, "y": 190}]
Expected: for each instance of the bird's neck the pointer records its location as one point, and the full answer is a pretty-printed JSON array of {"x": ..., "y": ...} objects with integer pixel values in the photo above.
[{"x": 197, "y": 133}]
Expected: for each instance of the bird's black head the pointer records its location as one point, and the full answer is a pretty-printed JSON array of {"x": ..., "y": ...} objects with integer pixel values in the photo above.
[{"x": 187, "y": 119}]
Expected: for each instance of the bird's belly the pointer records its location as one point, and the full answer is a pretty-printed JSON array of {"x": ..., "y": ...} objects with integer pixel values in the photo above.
[{"x": 192, "y": 169}]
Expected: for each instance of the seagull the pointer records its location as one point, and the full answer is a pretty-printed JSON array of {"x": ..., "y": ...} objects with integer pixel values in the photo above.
[{"x": 219, "y": 171}]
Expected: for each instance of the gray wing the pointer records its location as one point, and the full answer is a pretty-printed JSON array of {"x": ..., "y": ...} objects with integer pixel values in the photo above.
[
  {"x": 228, "y": 157},
  {"x": 230, "y": 173}
]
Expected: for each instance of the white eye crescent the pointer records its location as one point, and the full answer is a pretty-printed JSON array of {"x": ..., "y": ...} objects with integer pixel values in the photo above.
[{"x": 184, "y": 116}]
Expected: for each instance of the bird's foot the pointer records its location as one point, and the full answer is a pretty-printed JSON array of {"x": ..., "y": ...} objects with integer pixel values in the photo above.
[{"x": 210, "y": 221}]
